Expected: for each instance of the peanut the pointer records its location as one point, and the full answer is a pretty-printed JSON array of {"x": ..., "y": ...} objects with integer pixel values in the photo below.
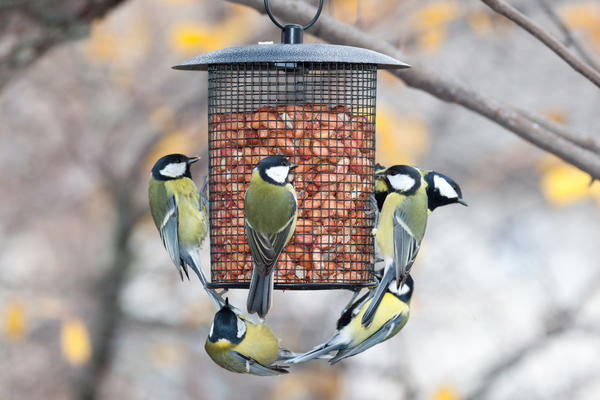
[{"x": 334, "y": 150}]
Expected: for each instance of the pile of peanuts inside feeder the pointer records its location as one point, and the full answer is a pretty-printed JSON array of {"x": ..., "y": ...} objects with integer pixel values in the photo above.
[{"x": 334, "y": 150}]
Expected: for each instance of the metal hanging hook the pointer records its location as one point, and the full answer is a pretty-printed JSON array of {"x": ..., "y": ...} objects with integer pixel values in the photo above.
[{"x": 305, "y": 27}]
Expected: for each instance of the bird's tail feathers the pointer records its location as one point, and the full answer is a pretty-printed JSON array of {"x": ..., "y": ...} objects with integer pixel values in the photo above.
[
  {"x": 369, "y": 314},
  {"x": 321, "y": 351},
  {"x": 260, "y": 293},
  {"x": 192, "y": 259}
]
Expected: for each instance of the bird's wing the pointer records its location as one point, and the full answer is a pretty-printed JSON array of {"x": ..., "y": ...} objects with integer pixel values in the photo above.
[
  {"x": 203, "y": 193},
  {"x": 256, "y": 368},
  {"x": 265, "y": 248},
  {"x": 406, "y": 245},
  {"x": 169, "y": 234},
  {"x": 351, "y": 311},
  {"x": 379, "y": 336}
]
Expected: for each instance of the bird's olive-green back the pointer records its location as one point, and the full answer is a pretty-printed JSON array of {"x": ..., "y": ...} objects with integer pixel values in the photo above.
[
  {"x": 415, "y": 213},
  {"x": 269, "y": 207}
]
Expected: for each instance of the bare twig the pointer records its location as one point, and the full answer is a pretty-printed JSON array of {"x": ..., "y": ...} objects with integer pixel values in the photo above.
[
  {"x": 559, "y": 129},
  {"x": 551, "y": 42},
  {"x": 557, "y": 322},
  {"x": 332, "y": 30},
  {"x": 47, "y": 23},
  {"x": 570, "y": 39}
]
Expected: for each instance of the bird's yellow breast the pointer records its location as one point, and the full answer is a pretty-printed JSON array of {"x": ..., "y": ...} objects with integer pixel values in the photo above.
[
  {"x": 389, "y": 307},
  {"x": 193, "y": 224}
]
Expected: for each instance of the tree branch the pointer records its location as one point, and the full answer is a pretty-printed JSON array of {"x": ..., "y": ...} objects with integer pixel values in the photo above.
[
  {"x": 512, "y": 118},
  {"x": 47, "y": 24},
  {"x": 551, "y": 42},
  {"x": 570, "y": 39}
]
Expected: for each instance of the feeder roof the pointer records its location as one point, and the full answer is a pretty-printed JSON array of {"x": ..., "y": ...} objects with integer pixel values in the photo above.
[{"x": 275, "y": 53}]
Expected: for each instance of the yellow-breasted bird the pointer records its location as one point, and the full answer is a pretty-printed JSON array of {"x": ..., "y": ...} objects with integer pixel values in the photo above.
[
  {"x": 270, "y": 210},
  {"x": 240, "y": 345},
  {"x": 413, "y": 194},
  {"x": 351, "y": 337},
  {"x": 180, "y": 214}
]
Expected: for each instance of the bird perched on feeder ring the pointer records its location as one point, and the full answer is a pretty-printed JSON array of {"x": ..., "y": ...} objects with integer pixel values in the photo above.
[
  {"x": 412, "y": 195},
  {"x": 351, "y": 337},
  {"x": 239, "y": 345},
  {"x": 180, "y": 214},
  {"x": 270, "y": 209}
]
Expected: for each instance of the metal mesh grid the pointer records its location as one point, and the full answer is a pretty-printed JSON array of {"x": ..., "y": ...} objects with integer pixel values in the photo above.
[{"x": 321, "y": 116}]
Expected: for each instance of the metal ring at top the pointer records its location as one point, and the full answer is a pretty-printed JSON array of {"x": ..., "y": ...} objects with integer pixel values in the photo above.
[{"x": 305, "y": 27}]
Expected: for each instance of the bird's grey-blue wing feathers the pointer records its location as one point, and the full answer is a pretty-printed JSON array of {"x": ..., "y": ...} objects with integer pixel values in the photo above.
[
  {"x": 378, "y": 337},
  {"x": 266, "y": 248},
  {"x": 406, "y": 245},
  {"x": 256, "y": 368},
  {"x": 169, "y": 234}
]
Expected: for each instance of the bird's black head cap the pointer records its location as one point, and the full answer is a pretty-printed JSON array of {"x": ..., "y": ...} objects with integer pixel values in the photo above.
[
  {"x": 275, "y": 169},
  {"x": 227, "y": 325},
  {"x": 173, "y": 166},
  {"x": 403, "y": 179},
  {"x": 442, "y": 190}
]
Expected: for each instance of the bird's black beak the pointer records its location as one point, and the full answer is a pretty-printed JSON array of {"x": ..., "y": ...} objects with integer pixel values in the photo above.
[
  {"x": 461, "y": 201},
  {"x": 192, "y": 160},
  {"x": 292, "y": 165}
]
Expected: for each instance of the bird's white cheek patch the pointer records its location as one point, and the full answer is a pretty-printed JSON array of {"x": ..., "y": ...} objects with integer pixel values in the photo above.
[
  {"x": 278, "y": 173},
  {"x": 398, "y": 291},
  {"x": 444, "y": 187},
  {"x": 401, "y": 182},
  {"x": 174, "y": 170},
  {"x": 241, "y": 328}
]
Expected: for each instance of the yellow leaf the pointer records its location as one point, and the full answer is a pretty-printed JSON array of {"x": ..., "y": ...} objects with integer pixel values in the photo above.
[
  {"x": 163, "y": 118},
  {"x": 194, "y": 37},
  {"x": 431, "y": 39},
  {"x": 437, "y": 13},
  {"x": 75, "y": 341},
  {"x": 14, "y": 321},
  {"x": 556, "y": 115},
  {"x": 400, "y": 140},
  {"x": 480, "y": 22},
  {"x": 102, "y": 45},
  {"x": 445, "y": 393},
  {"x": 345, "y": 10},
  {"x": 584, "y": 15},
  {"x": 563, "y": 184}
]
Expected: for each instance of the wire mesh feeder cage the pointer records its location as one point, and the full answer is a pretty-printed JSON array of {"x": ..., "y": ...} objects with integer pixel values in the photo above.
[{"x": 314, "y": 104}]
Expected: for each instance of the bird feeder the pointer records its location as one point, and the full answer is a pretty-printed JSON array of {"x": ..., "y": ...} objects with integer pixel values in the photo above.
[{"x": 314, "y": 104}]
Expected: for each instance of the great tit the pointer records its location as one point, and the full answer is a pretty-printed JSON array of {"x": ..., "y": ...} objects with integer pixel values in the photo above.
[
  {"x": 351, "y": 337},
  {"x": 240, "y": 345},
  {"x": 270, "y": 207},
  {"x": 180, "y": 214},
  {"x": 413, "y": 194}
]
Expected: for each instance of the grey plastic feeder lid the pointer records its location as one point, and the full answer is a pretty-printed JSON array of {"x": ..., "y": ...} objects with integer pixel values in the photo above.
[{"x": 283, "y": 53}]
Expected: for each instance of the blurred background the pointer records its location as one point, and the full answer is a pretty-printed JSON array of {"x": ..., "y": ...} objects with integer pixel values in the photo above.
[{"x": 507, "y": 293}]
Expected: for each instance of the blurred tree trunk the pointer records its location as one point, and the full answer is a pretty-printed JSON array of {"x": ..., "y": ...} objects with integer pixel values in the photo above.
[{"x": 29, "y": 28}]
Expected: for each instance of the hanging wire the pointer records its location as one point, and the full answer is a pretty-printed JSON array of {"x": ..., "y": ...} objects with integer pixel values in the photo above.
[{"x": 305, "y": 27}]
